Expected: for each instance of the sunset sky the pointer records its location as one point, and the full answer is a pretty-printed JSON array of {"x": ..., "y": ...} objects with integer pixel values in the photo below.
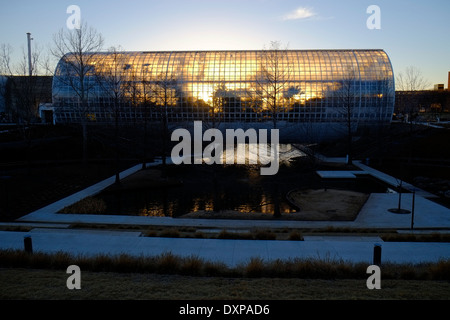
[{"x": 412, "y": 32}]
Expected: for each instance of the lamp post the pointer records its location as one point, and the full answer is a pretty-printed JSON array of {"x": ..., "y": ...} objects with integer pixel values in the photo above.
[
  {"x": 412, "y": 209},
  {"x": 30, "y": 67}
]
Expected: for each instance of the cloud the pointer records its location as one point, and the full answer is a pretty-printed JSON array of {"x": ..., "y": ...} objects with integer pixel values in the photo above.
[{"x": 300, "y": 13}]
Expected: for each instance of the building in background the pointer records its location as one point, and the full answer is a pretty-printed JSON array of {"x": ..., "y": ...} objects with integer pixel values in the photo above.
[
  {"x": 3, "y": 81},
  {"x": 20, "y": 97},
  {"x": 448, "y": 83},
  {"x": 423, "y": 105}
]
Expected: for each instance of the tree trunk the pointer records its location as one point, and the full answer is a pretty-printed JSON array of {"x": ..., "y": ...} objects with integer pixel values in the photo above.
[
  {"x": 349, "y": 137},
  {"x": 276, "y": 201},
  {"x": 85, "y": 142},
  {"x": 144, "y": 150},
  {"x": 116, "y": 137},
  {"x": 164, "y": 145}
]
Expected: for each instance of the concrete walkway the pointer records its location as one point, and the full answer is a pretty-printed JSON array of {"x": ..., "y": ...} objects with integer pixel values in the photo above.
[
  {"x": 230, "y": 252},
  {"x": 50, "y": 233}
]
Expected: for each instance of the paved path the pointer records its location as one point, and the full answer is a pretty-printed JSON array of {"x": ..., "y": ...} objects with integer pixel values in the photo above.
[{"x": 230, "y": 252}]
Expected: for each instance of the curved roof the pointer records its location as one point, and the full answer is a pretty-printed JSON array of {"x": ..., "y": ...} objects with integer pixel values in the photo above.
[
  {"x": 302, "y": 82},
  {"x": 226, "y": 65}
]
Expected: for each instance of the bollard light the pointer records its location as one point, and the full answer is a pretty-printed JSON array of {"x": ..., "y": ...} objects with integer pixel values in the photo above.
[
  {"x": 377, "y": 254},
  {"x": 28, "y": 244}
]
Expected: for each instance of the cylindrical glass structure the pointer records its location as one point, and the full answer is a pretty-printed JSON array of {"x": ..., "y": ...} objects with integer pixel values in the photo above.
[{"x": 288, "y": 89}]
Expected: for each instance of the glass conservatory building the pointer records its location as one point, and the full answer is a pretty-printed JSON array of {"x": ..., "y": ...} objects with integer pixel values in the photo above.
[{"x": 309, "y": 93}]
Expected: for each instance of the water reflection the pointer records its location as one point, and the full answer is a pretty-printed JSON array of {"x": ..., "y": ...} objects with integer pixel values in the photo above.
[
  {"x": 240, "y": 188},
  {"x": 177, "y": 201},
  {"x": 249, "y": 153},
  {"x": 211, "y": 189}
]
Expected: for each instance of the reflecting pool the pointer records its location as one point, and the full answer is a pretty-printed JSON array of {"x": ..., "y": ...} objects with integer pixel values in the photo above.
[{"x": 240, "y": 188}]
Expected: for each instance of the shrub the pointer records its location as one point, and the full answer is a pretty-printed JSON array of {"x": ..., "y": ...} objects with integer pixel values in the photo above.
[
  {"x": 168, "y": 263},
  {"x": 170, "y": 233},
  {"x": 280, "y": 268},
  {"x": 440, "y": 270},
  {"x": 88, "y": 205},
  {"x": 295, "y": 235},
  {"x": 254, "y": 268},
  {"x": 215, "y": 268},
  {"x": 150, "y": 233},
  {"x": 192, "y": 266},
  {"x": 224, "y": 234},
  {"x": 264, "y": 235},
  {"x": 199, "y": 234}
]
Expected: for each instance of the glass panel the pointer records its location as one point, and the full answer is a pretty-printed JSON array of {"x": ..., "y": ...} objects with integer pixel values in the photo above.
[{"x": 297, "y": 85}]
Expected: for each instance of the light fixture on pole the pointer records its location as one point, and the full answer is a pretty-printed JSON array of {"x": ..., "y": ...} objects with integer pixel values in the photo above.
[{"x": 30, "y": 67}]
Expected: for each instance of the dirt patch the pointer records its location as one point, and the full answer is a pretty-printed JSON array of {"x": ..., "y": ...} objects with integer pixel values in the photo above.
[
  {"x": 313, "y": 205},
  {"x": 327, "y": 204}
]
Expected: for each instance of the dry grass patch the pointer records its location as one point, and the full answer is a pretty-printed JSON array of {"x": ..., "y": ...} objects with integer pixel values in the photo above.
[
  {"x": 327, "y": 204},
  {"x": 25, "y": 284},
  {"x": 313, "y": 204},
  {"x": 88, "y": 205}
]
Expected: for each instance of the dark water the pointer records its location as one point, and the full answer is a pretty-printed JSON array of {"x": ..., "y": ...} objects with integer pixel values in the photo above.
[{"x": 238, "y": 188}]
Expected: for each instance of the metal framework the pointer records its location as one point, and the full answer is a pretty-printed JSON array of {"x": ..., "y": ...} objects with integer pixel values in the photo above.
[{"x": 263, "y": 88}]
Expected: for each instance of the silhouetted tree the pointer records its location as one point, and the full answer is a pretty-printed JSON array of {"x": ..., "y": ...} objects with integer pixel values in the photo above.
[
  {"x": 164, "y": 92},
  {"x": 76, "y": 48},
  {"x": 272, "y": 80},
  {"x": 412, "y": 81},
  {"x": 24, "y": 89},
  {"x": 140, "y": 95},
  {"x": 110, "y": 71},
  {"x": 348, "y": 96}
]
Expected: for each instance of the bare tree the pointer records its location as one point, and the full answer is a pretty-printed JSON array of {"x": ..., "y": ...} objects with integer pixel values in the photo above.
[
  {"x": 145, "y": 93},
  {"x": 5, "y": 70},
  {"x": 272, "y": 81},
  {"x": 112, "y": 78},
  {"x": 24, "y": 90},
  {"x": 411, "y": 81},
  {"x": 216, "y": 112},
  {"x": 76, "y": 48},
  {"x": 3, "y": 83},
  {"x": 5, "y": 58},
  {"x": 137, "y": 91},
  {"x": 216, "y": 115},
  {"x": 348, "y": 96},
  {"x": 165, "y": 94},
  {"x": 384, "y": 102}
]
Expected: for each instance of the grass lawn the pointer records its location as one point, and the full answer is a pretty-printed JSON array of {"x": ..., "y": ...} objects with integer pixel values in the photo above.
[
  {"x": 168, "y": 277},
  {"x": 51, "y": 284}
]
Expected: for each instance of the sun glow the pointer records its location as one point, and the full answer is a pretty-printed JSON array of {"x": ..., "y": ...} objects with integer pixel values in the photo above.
[{"x": 203, "y": 92}]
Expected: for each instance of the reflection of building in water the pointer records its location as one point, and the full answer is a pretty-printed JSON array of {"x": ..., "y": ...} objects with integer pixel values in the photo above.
[{"x": 301, "y": 92}]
